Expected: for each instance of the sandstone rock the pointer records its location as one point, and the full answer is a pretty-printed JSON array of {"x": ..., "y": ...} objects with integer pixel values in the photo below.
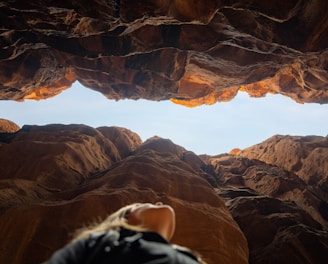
[
  {"x": 270, "y": 180},
  {"x": 191, "y": 52},
  {"x": 283, "y": 217},
  {"x": 87, "y": 173},
  {"x": 161, "y": 145},
  {"x": 124, "y": 139},
  {"x": 7, "y": 126},
  {"x": 47, "y": 154},
  {"x": 56, "y": 178},
  {"x": 279, "y": 232},
  {"x": 41, "y": 205},
  {"x": 305, "y": 156}
]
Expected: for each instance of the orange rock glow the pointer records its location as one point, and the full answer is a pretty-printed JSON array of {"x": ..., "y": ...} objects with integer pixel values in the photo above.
[
  {"x": 188, "y": 50},
  {"x": 54, "y": 89}
]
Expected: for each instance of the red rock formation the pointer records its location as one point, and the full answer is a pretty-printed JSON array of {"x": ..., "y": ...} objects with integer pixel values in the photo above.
[
  {"x": 191, "y": 52},
  {"x": 270, "y": 180},
  {"x": 304, "y": 156},
  {"x": 75, "y": 174},
  {"x": 279, "y": 232},
  {"x": 55, "y": 178},
  {"x": 124, "y": 139},
  {"x": 283, "y": 214},
  {"x": 7, "y": 126}
]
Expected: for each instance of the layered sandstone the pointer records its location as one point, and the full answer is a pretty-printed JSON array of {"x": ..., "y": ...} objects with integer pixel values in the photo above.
[
  {"x": 191, "y": 52},
  {"x": 57, "y": 178},
  {"x": 268, "y": 202},
  {"x": 304, "y": 156},
  {"x": 7, "y": 126},
  {"x": 278, "y": 231},
  {"x": 283, "y": 214}
]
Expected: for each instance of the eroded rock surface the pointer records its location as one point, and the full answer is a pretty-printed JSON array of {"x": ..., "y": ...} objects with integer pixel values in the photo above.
[
  {"x": 267, "y": 189},
  {"x": 57, "y": 178},
  {"x": 7, "y": 126},
  {"x": 305, "y": 156},
  {"x": 191, "y": 52},
  {"x": 279, "y": 232},
  {"x": 248, "y": 207}
]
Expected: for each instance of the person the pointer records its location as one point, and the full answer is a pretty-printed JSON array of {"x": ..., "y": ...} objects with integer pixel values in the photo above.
[{"x": 136, "y": 233}]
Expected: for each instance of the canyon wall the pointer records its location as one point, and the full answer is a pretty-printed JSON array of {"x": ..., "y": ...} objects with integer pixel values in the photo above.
[
  {"x": 277, "y": 192},
  {"x": 189, "y": 52},
  {"x": 245, "y": 207},
  {"x": 266, "y": 203},
  {"x": 58, "y": 178}
]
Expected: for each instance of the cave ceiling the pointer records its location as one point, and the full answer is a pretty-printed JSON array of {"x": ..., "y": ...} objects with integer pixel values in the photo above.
[{"x": 189, "y": 52}]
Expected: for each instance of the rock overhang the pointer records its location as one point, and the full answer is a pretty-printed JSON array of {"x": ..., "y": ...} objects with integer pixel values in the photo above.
[{"x": 189, "y": 52}]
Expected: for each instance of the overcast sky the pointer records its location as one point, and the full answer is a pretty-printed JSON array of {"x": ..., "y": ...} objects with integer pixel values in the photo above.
[{"x": 214, "y": 129}]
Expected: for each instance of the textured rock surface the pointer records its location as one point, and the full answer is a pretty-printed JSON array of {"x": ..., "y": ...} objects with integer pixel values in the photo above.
[
  {"x": 56, "y": 178},
  {"x": 7, "y": 126},
  {"x": 305, "y": 156},
  {"x": 283, "y": 215},
  {"x": 279, "y": 232},
  {"x": 192, "y": 52}
]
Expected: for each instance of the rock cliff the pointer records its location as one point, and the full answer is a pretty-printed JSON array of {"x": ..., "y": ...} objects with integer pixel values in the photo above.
[
  {"x": 245, "y": 207},
  {"x": 281, "y": 212},
  {"x": 191, "y": 52},
  {"x": 264, "y": 204},
  {"x": 56, "y": 178},
  {"x": 7, "y": 126}
]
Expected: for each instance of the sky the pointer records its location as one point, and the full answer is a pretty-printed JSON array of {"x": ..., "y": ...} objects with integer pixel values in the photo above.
[{"x": 212, "y": 130}]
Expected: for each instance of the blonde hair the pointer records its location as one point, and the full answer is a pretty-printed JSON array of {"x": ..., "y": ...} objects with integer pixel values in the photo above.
[{"x": 114, "y": 221}]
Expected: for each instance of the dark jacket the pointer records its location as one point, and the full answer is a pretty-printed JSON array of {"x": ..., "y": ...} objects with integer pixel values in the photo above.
[{"x": 122, "y": 248}]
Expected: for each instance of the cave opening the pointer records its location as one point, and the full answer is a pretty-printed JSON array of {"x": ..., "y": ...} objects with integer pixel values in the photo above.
[{"x": 250, "y": 201}]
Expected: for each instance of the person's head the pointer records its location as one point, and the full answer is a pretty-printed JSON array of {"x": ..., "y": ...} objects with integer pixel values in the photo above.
[{"x": 157, "y": 217}]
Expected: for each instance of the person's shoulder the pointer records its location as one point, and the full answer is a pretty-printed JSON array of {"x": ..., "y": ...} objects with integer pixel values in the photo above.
[
  {"x": 186, "y": 254},
  {"x": 74, "y": 252}
]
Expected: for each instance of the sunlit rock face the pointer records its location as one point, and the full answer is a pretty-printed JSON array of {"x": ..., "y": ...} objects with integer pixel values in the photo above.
[
  {"x": 57, "y": 178},
  {"x": 7, "y": 126},
  {"x": 277, "y": 192},
  {"x": 191, "y": 52},
  {"x": 305, "y": 157},
  {"x": 252, "y": 206}
]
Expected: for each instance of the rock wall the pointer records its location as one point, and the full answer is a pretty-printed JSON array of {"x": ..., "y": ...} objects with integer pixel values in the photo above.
[
  {"x": 267, "y": 188},
  {"x": 57, "y": 178},
  {"x": 7, "y": 126},
  {"x": 304, "y": 156},
  {"x": 191, "y": 52},
  {"x": 231, "y": 208},
  {"x": 267, "y": 203}
]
